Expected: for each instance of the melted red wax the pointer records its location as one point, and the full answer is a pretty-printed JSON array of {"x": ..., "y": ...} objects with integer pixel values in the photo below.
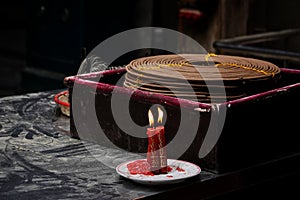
[
  {"x": 170, "y": 176},
  {"x": 139, "y": 167},
  {"x": 169, "y": 168},
  {"x": 142, "y": 167},
  {"x": 180, "y": 169}
]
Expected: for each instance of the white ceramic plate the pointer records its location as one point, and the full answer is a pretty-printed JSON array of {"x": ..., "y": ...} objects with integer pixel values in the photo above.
[{"x": 173, "y": 176}]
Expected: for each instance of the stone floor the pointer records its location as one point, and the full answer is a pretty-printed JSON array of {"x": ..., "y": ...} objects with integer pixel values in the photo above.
[{"x": 38, "y": 160}]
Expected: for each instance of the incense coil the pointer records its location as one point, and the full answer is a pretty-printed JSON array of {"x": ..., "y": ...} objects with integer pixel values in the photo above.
[{"x": 199, "y": 77}]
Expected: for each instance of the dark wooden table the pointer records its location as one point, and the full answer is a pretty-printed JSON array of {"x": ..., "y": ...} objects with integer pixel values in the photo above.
[{"x": 38, "y": 160}]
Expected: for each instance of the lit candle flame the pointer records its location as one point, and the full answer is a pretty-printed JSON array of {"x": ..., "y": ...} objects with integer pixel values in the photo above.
[
  {"x": 151, "y": 118},
  {"x": 160, "y": 115}
]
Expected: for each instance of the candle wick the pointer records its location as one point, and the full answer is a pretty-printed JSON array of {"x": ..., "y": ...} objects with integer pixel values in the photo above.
[{"x": 152, "y": 125}]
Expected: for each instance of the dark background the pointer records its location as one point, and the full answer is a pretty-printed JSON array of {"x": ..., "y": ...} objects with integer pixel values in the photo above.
[{"x": 43, "y": 41}]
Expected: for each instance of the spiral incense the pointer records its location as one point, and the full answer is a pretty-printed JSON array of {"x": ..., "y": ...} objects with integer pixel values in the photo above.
[{"x": 201, "y": 77}]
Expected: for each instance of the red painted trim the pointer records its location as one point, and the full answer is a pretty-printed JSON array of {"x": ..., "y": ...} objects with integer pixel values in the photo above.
[{"x": 63, "y": 103}]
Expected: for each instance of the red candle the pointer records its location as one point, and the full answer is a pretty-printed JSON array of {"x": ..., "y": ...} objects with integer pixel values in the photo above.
[
  {"x": 156, "y": 154},
  {"x": 152, "y": 153},
  {"x": 160, "y": 132}
]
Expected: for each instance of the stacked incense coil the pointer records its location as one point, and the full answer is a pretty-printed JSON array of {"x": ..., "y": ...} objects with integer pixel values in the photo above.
[{"x": 201, "y": 77}]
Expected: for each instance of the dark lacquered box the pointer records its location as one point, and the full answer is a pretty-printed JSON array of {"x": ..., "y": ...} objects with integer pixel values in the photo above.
[{"x": 257, "y": 128}]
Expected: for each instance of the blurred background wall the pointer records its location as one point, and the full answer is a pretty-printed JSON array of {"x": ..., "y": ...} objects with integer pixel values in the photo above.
[{"x": 43, "y": 41}]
